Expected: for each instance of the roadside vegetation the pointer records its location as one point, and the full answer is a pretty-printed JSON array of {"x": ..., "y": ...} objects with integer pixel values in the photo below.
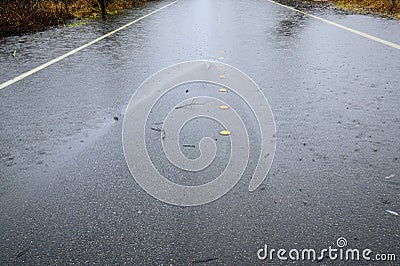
[
  {"x": 389, "y": 8},
  {"x": 22, "y": 16}
]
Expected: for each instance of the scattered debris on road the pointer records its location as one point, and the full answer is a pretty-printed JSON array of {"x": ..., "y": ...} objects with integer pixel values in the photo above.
[
  {"x": 189, "y": 146},
  {"x": 392, "y": 212},
  {"x": 390, "y": 176}
]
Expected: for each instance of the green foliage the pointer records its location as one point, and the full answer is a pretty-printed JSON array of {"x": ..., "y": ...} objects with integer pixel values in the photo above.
[{"x": 76, "y": 23}]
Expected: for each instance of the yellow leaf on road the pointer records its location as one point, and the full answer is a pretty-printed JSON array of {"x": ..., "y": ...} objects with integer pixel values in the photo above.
[{"x": 225, "y": 133}]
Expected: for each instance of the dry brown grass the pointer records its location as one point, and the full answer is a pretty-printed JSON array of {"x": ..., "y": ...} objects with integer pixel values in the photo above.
[
  {"x": 384, "y": 7},
  {"x": 22, "y": 16}
]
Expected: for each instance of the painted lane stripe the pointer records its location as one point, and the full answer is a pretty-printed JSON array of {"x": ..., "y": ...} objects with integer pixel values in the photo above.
[
  {"x": 33, "y": 71},
  {"x": 365, "y": 35}
]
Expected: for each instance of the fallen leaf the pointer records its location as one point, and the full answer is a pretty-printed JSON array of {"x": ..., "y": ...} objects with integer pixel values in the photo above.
[{"x": 225, "y": 133}]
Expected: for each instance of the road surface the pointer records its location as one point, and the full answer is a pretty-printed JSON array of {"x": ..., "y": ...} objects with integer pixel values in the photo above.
[{"x": 68, "y": 197}]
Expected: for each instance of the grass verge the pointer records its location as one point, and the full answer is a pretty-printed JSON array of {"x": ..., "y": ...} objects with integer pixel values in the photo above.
[
  {"x": 389, "y": 8},
  {"x": 22, "y": 16}
]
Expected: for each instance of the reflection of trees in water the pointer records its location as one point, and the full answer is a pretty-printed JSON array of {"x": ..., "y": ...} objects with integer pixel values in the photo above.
[{"x": 291, "y": 26}]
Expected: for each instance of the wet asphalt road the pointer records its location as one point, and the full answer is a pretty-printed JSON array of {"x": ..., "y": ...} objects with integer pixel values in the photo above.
[{"x": 67, "y": 196}]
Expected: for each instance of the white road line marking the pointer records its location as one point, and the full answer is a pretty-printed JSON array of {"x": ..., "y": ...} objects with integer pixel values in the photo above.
[
  {"x": 33, "y": 71},
  {"x": 365, "y": 35}
]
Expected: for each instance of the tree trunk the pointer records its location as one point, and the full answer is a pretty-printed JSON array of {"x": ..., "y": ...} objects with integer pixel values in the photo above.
[{"x": 103, "y": 9}]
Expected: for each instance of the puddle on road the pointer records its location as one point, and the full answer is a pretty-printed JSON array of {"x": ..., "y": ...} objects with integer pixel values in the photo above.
[{"x": 32, "y": 50}]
